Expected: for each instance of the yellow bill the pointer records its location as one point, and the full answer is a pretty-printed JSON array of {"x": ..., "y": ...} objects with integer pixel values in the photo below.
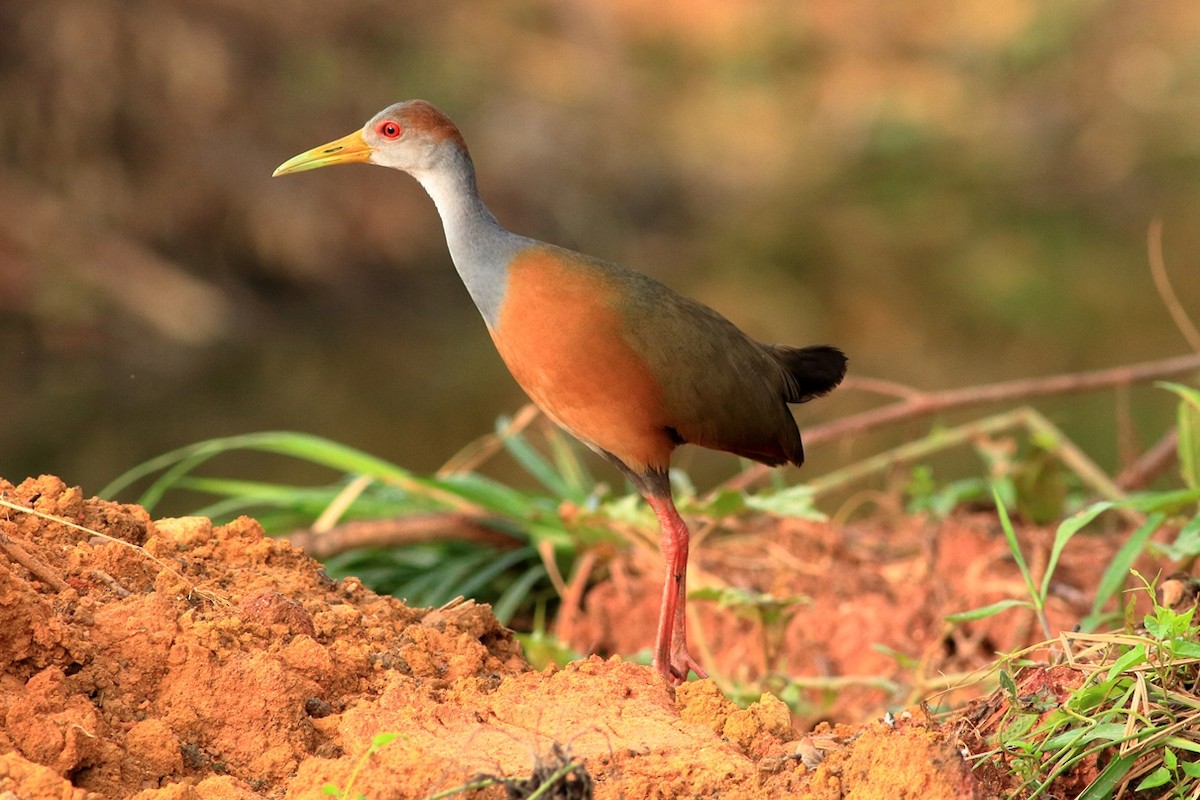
[{"x": 351, "y": 149}]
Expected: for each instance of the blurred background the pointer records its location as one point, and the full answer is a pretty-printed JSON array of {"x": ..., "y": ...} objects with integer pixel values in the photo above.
[{"x": 954, "y": 192}]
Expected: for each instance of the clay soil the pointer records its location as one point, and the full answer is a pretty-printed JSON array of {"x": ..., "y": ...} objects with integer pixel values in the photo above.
[{"x": 216, "y": 662}]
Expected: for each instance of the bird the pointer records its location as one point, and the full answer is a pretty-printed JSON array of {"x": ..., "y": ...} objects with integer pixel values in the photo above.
[{"x": 625, "y": 364}]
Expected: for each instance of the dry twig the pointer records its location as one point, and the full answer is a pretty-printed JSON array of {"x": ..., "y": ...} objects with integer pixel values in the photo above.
[
  {"x": 1155, "y": 461},
  {"x": 1166, "y": 292},
  {"x": 928, "y": 403},
  {"x": 396, "y": 532},
  {"x": 36, "y": 568}
]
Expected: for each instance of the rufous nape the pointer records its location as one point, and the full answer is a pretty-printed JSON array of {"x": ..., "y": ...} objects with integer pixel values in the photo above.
[{"x": 625, "y": 364}]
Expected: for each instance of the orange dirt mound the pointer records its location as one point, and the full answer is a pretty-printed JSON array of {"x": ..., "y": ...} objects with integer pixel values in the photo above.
[{"x": 220, "y": 663}]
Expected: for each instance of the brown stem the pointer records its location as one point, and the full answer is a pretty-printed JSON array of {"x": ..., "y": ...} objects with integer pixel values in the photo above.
[
  {"x": 1166, "y": 292},
  {"x": 398, "y": 531},
  {"x": 928, "y": 403},
  {"x": 39, "y": 570},
  {"x": 572, "y": 599},
  {"x": 1151, "y": 464}
]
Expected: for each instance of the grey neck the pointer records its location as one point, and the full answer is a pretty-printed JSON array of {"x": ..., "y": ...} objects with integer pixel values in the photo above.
[{"x": 480, "y": 248}]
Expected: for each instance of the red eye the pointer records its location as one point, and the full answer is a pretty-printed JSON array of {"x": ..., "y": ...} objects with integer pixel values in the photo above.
[{"x": 389, "y": 129}]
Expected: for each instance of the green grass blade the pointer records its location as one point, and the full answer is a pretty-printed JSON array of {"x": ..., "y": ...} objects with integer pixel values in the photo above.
[
  {"x": 493, "y": 566},
  {"x": 1118, "y": 569},
  {"x": 1133, "y": 657},
  {"x": 987, "y": 611},
  {"x": 1183, "y": 744},
  {"x": 171, "y": 477},
  {"x": 438, "y": 585},
  {"x": 1114, "y": 772},
  {"x": 553, "y": 531},
  {"x": 1104, "y": 731},
  {"x": 1067, "y": 529},
  {"x": 1186, "y": 544},
  {"x": 1014, "y": 546},
  {"x": 488, "y": 494},
  {"x": 1172, "y": 501},
  {"x": 571, "y": 467},
  {"x": 794, "y": 501},
  {"x": 1189, "y": 444},
  {"x": 1189, "y": 431},
  {"x": 307, "y": 447},
  {"x": 536, "y": 465},
  {"x": 327, "y": 453},
  {"x": 135, "y": 474},
  {"x": 512, "y": 597},
  {"x": 255, "y": 491}
]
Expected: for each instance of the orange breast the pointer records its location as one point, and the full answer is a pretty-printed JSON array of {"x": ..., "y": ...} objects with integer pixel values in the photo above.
[{"x": 562, "y": 339}]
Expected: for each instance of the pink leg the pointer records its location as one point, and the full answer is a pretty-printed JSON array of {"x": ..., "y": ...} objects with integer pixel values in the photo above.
[{"x": 671, "y": 656}]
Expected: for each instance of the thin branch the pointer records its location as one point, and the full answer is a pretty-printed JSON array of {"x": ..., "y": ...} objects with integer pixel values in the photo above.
[
  {"x": 572, "y": 598},
  {"x": 111, "y": 583},
  {"x": 36, "y": 568},
  {"x": 545, "y": 550},
  {"x": 1166, "y": 292},
  {"x": 865, "y": 383},
  {"x": 398, "y": 531},
  {"x": 930, "y": 403},
  {"x": 1155, "y": 461},
  {"x": 1025, "y": 417},
  {"x": 1021, "y": 389},
  {"x": 483, "y": 448},
  {"x": 141, "y": 551},
  {"x": 341, "y": 503}
]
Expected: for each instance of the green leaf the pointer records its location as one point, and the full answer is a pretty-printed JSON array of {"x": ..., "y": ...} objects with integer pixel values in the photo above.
[
  {"x": 331, "y": 790},
  {"x": 794, "y": 501},
  {"x": 1068, "y": 528},
  {"x": 1165, "y": 623},
  {"x": 1085, "y": 699},
  {"x": 492, "y": 565},
  {"x": 1134, "y": 657},
  {"x": 926, "y": 496},
  {"x": 1107, "y": 780},
  {"x": 383, "y": 739},
  {"x": 738, "y": 598},
  {"x": 536, "y": 465},
  {"x": 1189, "y": 431},
  {"x": 570, "y": 466},
  {"x": 1171, "y": 502},
  {"x": 315, "y": 449},
  {"x": 554, "y": 532},
  {"x": 902, "y": 659},
  {"x": 724, "y": 503},
  {"x": 958, "y": 493},
  {"x": 512, "y": 597},
  {"x": 1004, "y": 492},
  {"x": 1104, "y": 731},
  {"x": 1157, "y": 778},
  {"x": 1186, "y": 544},
  {"x": 1118, "y": 569},
  {"x": 1189, "y": 445},
  {"x": 987, "y": 611},
  {"x": 1184, "y": 648},
  {"x": 1180, "y": 743},
  {"x": 485, "y": 492},
  {"x": 1169, "y": 759},
  {"x": 1008, "y": 685},
  {"x": 1014, "y": 546}
]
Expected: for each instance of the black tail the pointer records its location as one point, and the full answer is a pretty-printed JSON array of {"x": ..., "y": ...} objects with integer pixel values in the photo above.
[{"x": 813, "y": 370}]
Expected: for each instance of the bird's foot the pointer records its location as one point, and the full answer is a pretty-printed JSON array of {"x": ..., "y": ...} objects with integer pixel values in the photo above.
[{"x": 676, "y": 668}]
